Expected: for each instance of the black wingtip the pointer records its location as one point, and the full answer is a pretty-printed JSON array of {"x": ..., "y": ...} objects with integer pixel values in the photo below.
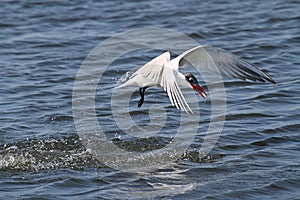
[
  {"x": 268, "y": 78},
  {"x": 271, "y": 80}
]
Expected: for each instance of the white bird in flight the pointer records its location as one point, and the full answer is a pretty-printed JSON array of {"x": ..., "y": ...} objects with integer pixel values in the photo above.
[{"x": 163, "y": 72}]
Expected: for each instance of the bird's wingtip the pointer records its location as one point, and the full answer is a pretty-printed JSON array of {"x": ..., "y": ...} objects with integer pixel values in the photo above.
[{"x": 272, "y": 81}]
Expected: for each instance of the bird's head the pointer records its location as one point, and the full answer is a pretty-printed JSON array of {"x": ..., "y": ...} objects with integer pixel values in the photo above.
[{"x": 195, "y": 85}]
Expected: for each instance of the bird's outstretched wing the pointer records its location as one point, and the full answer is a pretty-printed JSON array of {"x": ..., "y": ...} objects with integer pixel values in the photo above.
[
  {"x": 159, "y": 71},
  {"x": 214, "y": 60}
]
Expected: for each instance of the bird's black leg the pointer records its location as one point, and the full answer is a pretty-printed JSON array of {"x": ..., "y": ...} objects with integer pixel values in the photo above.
[{"x": 142, "y": 93}]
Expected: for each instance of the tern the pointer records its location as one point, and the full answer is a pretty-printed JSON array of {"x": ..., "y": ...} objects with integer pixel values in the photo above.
[{"x": 164, "y": 72}]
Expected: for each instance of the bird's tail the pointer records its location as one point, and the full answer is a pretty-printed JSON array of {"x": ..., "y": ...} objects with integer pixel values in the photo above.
[
  {"x": 121, "y": 86},
  {"x": 130, "y": 82}
]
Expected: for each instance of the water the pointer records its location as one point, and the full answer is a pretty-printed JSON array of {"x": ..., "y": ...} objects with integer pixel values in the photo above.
[{"x": 43, "y": 45}]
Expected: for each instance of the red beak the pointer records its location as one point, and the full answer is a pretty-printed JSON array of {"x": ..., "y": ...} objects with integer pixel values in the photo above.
[{"x": 200, "y": 90}]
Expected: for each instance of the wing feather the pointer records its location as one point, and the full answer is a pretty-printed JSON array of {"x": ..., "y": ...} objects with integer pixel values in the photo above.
[{"x": 225, "y": 63}]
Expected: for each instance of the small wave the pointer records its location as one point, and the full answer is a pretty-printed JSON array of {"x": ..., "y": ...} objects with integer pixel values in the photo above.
[
  {"x": 271, "y": 140},
  {"x": 247, "y": 116},
  {"x": 281, "y": 129}
]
